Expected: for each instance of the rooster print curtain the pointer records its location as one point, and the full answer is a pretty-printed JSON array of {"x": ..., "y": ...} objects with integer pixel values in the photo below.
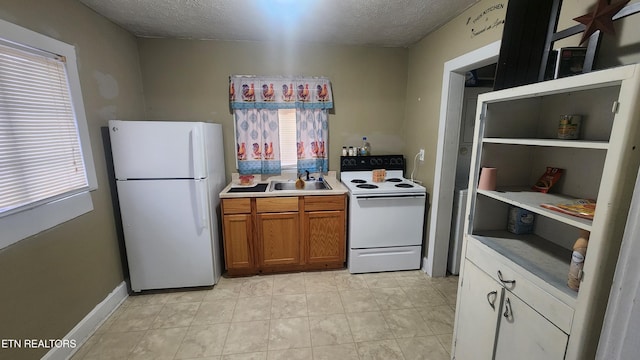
[
  {"x": 255, "y": 101},
  {"x": 311, "y": 135},
  {"x": 257, "y": 141},
  {"x": 258, "y": 92}
]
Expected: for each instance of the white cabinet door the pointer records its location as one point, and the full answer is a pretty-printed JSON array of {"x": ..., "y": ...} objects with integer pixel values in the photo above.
[
  {"x": 525, "y": 334},
  {"x": 478, "y": 313}
]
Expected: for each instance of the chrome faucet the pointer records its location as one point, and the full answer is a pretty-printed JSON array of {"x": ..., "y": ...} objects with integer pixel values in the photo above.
[{"x": 307, "y": 174}]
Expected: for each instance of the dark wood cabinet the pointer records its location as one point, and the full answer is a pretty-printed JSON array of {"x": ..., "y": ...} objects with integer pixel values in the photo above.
[{"x": 279, "y": 234}]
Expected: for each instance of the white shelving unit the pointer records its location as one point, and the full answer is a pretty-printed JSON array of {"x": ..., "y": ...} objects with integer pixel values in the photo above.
[
  {"x": 532, "y": 200},
  {"x": 577, "y": 144},
  {"x": 517, "y": 283}
]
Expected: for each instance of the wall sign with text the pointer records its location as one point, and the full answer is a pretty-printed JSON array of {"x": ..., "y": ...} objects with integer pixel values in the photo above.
[{"x": 486, "y": 20}]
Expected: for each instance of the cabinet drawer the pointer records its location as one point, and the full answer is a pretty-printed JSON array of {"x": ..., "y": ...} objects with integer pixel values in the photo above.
[
  {"x": 556, "y": 311},
  {"x": 318, "y": 203},
  {"x": 276, "y": 204},
  {"x": 236, "y": 206}
]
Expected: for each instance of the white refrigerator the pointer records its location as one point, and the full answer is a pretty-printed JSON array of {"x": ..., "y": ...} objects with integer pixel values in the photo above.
[{"x": 169, "y": 175}]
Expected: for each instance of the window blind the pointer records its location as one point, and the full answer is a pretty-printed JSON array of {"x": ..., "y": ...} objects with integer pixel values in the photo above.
[
  {"x": 40, "y": 155},
  {"x": 287, "y": 125}
]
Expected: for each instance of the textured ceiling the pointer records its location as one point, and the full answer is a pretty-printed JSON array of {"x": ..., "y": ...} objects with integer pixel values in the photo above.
[{"x": 391, "y": 23}]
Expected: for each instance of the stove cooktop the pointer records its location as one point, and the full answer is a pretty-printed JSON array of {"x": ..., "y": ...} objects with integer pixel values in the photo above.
[
  {"x": 360, "y": 182},
  {"x": 356, "y": 173}
]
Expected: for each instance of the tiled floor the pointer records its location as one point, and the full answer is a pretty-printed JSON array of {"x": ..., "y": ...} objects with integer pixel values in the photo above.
[{"x": 317, "y": 315}]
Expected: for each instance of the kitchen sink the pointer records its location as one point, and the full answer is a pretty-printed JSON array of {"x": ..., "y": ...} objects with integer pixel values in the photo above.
[{"x": 308, "y": 185}]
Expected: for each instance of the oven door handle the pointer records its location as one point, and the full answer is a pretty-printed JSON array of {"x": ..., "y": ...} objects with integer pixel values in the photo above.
[{"x": 374, "y": 197}]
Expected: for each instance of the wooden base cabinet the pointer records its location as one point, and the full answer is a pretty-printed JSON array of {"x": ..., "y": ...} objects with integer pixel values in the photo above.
[
  {"x": 278, "y": 239},
  {"x": 238, "y": 250},
  {"x": 284, "y": 234},
  {"x": 518, "y": 132},
  {"x": 238, "y": 234},
  {"x": 325, "y": 237},
  {"x": 278, "y": 224},
  {"x": 324, "y": 231}
]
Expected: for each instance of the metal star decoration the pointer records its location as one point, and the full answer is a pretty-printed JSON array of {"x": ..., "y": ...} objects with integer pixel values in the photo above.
[{"x": 600, "y": 18}]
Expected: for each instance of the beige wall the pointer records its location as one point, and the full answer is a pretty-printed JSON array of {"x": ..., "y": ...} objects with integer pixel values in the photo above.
[
  {"x": 424, "y": 86},
  {"x": 189, "y": 80},
  {"x": 50, "y": 281}
]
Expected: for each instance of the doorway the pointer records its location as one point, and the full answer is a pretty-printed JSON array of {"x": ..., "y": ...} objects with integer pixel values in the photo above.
[
  {"x": 453, "y": 85},
  {"x": 478, "y": 81}
]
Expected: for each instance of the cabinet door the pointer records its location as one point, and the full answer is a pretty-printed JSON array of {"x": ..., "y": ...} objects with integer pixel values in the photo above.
[
  {"x": 325, "y": 236},
  {"x": 238, "y": 237},
  {"x": 477, "y": 318},
  {"x": 278, "y": 239},
  {"x": 525, "y": 334}
]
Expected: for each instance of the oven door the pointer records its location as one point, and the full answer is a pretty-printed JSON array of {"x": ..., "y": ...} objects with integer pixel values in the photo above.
[{"x": 386, "y": 220}]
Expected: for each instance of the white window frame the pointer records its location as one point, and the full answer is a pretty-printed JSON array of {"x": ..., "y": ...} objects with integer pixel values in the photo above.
[{"x": 18, "y": 226}]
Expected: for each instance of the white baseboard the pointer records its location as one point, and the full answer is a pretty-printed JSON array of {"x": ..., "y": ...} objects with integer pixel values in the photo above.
[
  {"x": 427, "y": 265},
  {"x": 90, "y": 323}
]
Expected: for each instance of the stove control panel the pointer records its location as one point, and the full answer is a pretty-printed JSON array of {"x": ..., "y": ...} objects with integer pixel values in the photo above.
[{"x": 366, "y": 163}]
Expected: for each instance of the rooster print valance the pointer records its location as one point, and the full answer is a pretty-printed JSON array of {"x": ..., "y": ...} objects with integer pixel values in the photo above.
[{"x": 262, "y": 92}]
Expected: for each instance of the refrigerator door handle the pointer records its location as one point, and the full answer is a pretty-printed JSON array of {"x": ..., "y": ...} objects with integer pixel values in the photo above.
[
  {"x": 201, "y": 203},
  {"x": 196, "y": 153}
]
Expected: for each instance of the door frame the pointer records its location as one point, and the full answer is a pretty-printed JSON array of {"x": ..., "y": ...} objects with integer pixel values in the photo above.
[{"x": 453, "y": 79}]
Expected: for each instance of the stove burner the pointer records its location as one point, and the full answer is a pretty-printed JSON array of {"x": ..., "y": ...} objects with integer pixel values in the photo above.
[
  {"x": 394, "y": 180},
  {"x": 404, "y": 185},
  {"x": 358, "y": 181},
  {"x": 367, "y": 186}
]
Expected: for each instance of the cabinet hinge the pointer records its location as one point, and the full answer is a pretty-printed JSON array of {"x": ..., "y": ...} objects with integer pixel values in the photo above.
[{"x": 614, "y": 108}]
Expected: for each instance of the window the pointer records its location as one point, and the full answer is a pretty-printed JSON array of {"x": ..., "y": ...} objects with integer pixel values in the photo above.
[
  {"x": 45, "y": 159},
  {"x": 265, "y": 132},
  {"x": 287, "y": 127}
]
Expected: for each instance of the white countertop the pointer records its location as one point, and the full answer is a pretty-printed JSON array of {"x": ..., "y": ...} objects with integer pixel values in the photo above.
[{"x": 337, "y": 188}]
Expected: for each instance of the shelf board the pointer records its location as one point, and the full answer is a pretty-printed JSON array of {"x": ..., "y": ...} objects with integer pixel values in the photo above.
[
  {"x": 531, "y": 200},
  {"x": 536, "y": 255},
  {"x": 578, "y": 144}
]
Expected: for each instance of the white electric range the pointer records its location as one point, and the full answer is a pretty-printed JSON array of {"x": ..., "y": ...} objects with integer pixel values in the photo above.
[{"x": 386, "y": 218}]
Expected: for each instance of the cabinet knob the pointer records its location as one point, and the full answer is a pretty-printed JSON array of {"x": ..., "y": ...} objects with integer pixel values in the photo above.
[{"x": 505, "y": 281}]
